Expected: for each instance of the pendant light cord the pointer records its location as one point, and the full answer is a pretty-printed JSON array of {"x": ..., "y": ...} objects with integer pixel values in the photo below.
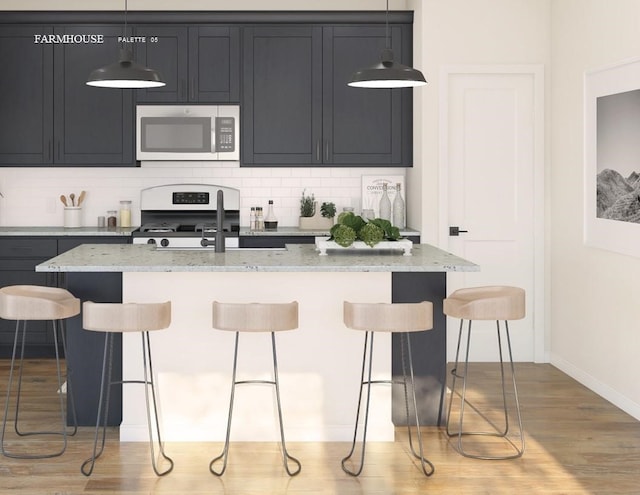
[
  {"x": 386, "y": 30},
  {"x": 125, "y": 17}
]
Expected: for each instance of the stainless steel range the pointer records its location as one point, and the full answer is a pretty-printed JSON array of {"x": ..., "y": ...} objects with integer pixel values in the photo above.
[{"x": 185, "y": 216}]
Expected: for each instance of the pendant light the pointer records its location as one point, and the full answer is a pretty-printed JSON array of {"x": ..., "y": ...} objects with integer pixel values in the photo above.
[
  {"x": 387, "y": 73},
  {"x": 125, "y": 73}
]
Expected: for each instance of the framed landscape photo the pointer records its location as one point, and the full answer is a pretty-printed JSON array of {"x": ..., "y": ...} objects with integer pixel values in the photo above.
[{"x": 612, "y": 158}]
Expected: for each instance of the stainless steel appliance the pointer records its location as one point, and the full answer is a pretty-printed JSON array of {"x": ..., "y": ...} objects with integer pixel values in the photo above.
[
  {"x": 188, "y": 132},
  {"x": 184, "y": 216}
]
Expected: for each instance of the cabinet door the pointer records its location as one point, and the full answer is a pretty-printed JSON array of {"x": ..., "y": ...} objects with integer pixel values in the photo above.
[
  {"x": 93, "y": 126},
  {"x": 18, "y": 258},
  {"x": 165, "y": 50},
  {"x": 214, "y": 64},
  {"x": 282, "y": 96},
  {"x": 361, "y": 126},
  {"x": 26, "y": 96}
]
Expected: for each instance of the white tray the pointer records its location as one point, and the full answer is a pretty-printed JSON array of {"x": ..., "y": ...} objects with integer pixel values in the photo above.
[{"x": 323, "y": 244}]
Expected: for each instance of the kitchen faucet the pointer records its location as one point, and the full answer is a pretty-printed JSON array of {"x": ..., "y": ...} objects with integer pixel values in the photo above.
[{"x": 219, "y": 241}]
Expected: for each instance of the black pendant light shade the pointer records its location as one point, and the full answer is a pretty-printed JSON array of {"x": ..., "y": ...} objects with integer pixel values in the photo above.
[
  {"x": 125, "y": 74},
  {"x": 387, "y": 74}
]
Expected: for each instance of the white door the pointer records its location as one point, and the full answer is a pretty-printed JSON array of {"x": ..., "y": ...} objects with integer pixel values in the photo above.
[{"x": 492, "y": 176}]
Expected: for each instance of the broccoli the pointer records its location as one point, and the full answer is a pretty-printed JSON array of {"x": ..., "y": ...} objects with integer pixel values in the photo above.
[
  {"x": 391, "y": 233},
  {"x": 371, "y": 234},
  {"x": 356, "y": 222},
  {"x": 343, "y": 235}
]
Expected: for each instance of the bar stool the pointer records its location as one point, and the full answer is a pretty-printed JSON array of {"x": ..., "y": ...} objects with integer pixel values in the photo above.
[
  {"x": 401, "y": 318},
  {"x": 33, "y": 302},
  {"x": 486, "y": 303},
  {"x": 255, "y": 317},
  {"x": 114, "y": 318}
]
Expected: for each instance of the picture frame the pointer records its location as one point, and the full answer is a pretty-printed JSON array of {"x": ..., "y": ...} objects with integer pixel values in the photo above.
[{"x": 612, "y": 157}]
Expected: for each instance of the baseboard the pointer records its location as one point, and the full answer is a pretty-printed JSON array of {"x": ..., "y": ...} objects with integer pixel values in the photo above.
[{"x": 603, "y": 390}]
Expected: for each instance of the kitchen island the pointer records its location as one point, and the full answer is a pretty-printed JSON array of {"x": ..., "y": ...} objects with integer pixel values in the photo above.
[{"x": 319, "y": 363}]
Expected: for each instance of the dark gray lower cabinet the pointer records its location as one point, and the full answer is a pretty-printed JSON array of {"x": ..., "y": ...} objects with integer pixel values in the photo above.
[
  {"x": 430, "y": 374},
  {"x": 18, "y": 258},
  {"x": 85, "y": 348}
]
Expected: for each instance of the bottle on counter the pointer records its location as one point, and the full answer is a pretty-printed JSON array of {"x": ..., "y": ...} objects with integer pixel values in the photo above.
[
  {"x": 399, "y": 218},
  {"x": 270, "y": 221},
  {"x": 259, "y": 219},
  {"x": 112, "y": 219},
  {"x": 252, "y": 218},
  {"x": 125, "y": 213},
  {"x": 385, "y": 204}
]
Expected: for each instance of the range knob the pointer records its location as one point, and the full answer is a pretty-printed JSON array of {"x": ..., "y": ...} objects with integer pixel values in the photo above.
[
  {"x": 164, "y": 242},
  {"x": 151, "y": 241}
]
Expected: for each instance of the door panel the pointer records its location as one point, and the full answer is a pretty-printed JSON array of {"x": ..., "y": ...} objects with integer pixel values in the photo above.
[{"x": 490, "y": 150}]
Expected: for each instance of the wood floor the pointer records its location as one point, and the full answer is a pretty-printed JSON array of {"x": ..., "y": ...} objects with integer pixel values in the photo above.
[{"x": 577, "y": 443}]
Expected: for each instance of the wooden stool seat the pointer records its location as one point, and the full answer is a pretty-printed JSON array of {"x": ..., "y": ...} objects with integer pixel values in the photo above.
[
  {"x": 112, "y": 318},
  {"x": 34, "y": 302},
  {"x": 127, "y": 317},
  {"x": 403, "y": 318},
  {"x": 251, "y": 318},
  {"x": 486, "y": 303},
  {"x": 25, "y": 303},
  {"x": 255, "y": 317}
]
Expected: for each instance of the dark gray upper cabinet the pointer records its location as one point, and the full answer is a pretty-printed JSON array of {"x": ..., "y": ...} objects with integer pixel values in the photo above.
[
  {"x": 200, "y": 64},
  {"x": 92, "y": 126},
  {"x": 298, "y": 109},
  {"x": 361, "y": 126},
  {"x": 26, "y": 96},
  {"x": 282, "y": 96},
  {"x": 49, "y": 115}
]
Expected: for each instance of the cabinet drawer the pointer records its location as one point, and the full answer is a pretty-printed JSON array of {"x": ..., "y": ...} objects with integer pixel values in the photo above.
[{"x": 33, "y": 247}]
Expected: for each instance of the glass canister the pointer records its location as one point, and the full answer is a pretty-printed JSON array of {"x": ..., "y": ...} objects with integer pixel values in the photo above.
[
  {"x": 112, "y": 219},
  {"x": 125, "y": 213}
]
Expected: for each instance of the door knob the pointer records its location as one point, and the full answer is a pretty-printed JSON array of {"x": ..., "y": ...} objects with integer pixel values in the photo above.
[{"x": 455, "y": 231}]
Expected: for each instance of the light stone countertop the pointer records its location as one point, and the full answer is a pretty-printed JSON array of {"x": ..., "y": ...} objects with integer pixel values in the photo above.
[
  {"x": 297, "y": 231},
  {"x": 295, "y": 258}
]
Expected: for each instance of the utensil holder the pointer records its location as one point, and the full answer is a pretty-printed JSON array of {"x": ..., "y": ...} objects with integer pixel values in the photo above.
[{"x": 72, "y": 217}]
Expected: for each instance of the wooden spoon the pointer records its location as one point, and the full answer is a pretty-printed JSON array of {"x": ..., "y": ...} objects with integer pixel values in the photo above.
[
  {"x": 81, "y": 197},
  {"x": 63, "y": 198},
  {"x": 73, "y": 197}
]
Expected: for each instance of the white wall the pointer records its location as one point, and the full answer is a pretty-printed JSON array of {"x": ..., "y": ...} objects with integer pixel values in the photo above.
[
  {"x": 464, "y": 32},
  {"x": 594, "y": 293}
]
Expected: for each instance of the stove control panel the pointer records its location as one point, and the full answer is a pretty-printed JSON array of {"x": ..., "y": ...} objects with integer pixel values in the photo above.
[{"x": 190, "y": 198}]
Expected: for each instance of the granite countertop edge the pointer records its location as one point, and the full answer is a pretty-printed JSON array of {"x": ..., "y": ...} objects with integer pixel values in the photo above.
[{"x": 295, "y": 258}]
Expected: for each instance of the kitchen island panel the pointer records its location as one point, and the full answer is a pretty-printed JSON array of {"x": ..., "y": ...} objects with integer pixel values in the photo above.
[{"x": 319, "y": 364}]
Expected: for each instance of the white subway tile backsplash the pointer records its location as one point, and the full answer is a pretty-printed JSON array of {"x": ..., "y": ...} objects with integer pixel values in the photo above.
[{"x": 31, "y": 195}]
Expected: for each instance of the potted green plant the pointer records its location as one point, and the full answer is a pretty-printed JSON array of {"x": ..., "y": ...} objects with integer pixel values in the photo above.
[
  {"x": 328, "y": 209},
  {"x": 312, "y": 217},
  {"x": 307, "y": 205}
]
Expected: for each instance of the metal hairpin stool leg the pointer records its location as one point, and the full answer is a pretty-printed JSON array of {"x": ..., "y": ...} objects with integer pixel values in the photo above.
[
  {"x": 25, "y": 303},
  {"x": 117, "y": 318},
  {"x": 402, "y": 318},
  {"x": 486, "y": 303},
  {"x": 255, "y": 317}
]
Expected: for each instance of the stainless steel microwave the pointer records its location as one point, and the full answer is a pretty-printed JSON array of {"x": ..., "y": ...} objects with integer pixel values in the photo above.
[{"x": 188, "y": 132}]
